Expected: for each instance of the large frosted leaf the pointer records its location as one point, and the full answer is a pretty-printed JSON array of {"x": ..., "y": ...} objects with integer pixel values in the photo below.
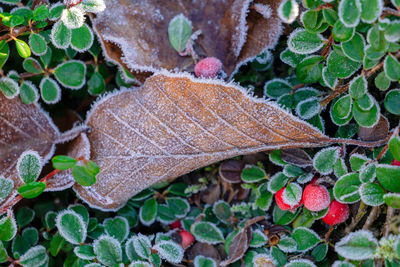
[
  {"x": 175, "y": 124},
  {"x": 135, "y": 33}
]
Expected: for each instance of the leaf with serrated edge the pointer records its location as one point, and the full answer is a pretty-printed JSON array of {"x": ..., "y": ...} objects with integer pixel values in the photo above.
[{"x": 175, "y": 124}]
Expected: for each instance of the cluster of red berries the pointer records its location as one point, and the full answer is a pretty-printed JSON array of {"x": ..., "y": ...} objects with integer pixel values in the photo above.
[
  {"x": 187, "y": 237},
  {"x": 316, "y": 198}
]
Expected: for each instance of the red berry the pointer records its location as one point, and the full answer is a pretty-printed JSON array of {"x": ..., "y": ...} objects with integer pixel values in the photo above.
[
  {"x": 395, "y": 162},
  {"x": 281, "y": 204},
  {"x": 208, "y": 67},
  {"x": 176, "y": 225},
  {"x": 316, "y": 197},
  {"x": 187, "y": 238},
  {"x": 337, "y": 213}
]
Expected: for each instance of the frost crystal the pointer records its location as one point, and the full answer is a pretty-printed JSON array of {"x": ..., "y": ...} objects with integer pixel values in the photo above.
[{"x": 73, "y": 17}]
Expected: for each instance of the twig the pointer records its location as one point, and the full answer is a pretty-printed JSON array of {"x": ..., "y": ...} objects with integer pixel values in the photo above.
[
  {"x": 371, "y": 218},
  {"x": 360, "y": 213},
  {"x": 389, "y": 215},
  {"x": 389, "y": 11}
]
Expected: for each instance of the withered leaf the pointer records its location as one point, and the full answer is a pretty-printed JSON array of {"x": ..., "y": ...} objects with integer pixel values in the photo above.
[
  {"x": 23, "y": 127},
  {"x": 378, "y": 132},
  {"x": 135, "y": 33},
  {"x": 296, "y": 156},
  {"x": 239, "y": 245},
  {"x": 231, "y": 170},
  {"x": 175, "y": 124}
]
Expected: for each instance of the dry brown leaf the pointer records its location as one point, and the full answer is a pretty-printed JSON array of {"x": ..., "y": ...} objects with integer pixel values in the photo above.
[
  {"x": 296, "y": 156},
  {"x": 135, "y": 33},
  {"x": 239, "y": 245},
  {"x": 378, "y": 132},
  {"x": 23, "y": 127},
  {"x": 175, "y": 124}
]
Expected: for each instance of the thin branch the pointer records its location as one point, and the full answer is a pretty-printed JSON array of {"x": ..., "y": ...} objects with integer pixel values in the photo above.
[
  {"x": 371, "y": 218},
  {"x": 354, "y": 222},
  {"x": 389, "y": 215}
]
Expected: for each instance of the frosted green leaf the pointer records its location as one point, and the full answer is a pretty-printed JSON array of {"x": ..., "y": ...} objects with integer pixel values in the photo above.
[
  {"x": 346, "y": 188},
  {"x": 55, "y": 11},
  {"x": 291, "y": 58},
  {"x": 392, "y": 32},
  {"x": 392, "y": 100},
  {"x": 325, "y": 159},
  {"x": 4, "y": 52},
  {"x": 8, "y": 228},
  {"x": 108, "y": 250},
  {"x": 96, "y": 84},
  {"x": 350, "y": 12},
  {"x": 358, "y": 87},
  {"x": 368, "y": 173},
  {"x": 23, "y": 48},
  {"x": 169, "y": 251},
  {"x": 309, "y": 69},
  {"x": 141, "y": 245},
  {"x": 148, "y": 212},
  {"x": 370, "y": 10},
  {"x": 253, "y": 174},
  {"x": 93, "y": 6},
  {"x": 306, "y": 238},
  {"x": 376, "y": 38},
  {"x": 179, "y": 32},
  {"x": 37, "y": 44},
  {"x": 354, "y": 48},
  {"x": 6, "y": 187},
  {"x": 82, "y": 38},
  {"x": 329, "y": 79},
  {"x": 287, "y": 244},
  {"x": 29, "y": 166},
  {"x": 303, "y": 42},
  {"x": 71, "y": 74},
  {"x": 320, "y": 251},
  {"x": 372, "y": 194},
  {"x": 207, "y": 232},
  {"x": 28, "y": 93},
  {"x": 258, "y": 239},
  {"x": 340, "y": 66},
  {"x": 288, "y": 11},
  {"x": 85, "y": 252},
  {"x": 277, "y": 87},
  {"x": 117, "y": 227},
  {"x": 71, "y": 226},
  {"x": 9, "y": 87},
  {"x": 341, "y": 33},
  {"x": 392, "y": 68},
  {"x": 73, "y": 17},
  {"x": 277, "y": 181},
  {"x": 357, "y": 161},
  {"x": 373, "y": 54},
  {"x": 300, "y": 263},
  {"x": 292, "y": 171},
  {"x": 180, "y": 206},
  {"x": 49, "y": 90},
  {"x": 313, "y": 21},
  {"x": 359, "y": 245},
  {"x": 222, "y": 210},
  {"x": 382, "y": 82},
  {"x": 308, "y": 108},
  {"x": 388, "y": 177},
  {"x": 366, "y": 102},
  {"x": 396, "y": 3},
  {"x": 32, "y": 65},
  {"x": 292, "y": 194},
  {"x": 392, "y": 200},
  {"x": 201, "y": 261},
  {"x": 366, "y": 118},
  {"x": 60, "y": 35},
  {"x": 340, "y": 168},
  {"x": 34, "y": 257},
  {"x": 342, "y": 108}
]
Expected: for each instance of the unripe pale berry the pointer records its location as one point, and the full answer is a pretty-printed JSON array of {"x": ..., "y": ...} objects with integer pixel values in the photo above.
[
  {"x": 208, "y": 67},
  {"x": 337, "y": 213},
  {"x": 281, "y": 204},
  {"x": 187, "y": 238},
  {"x": 316, "y": 197},
  {"x": 395, "y": 162}
]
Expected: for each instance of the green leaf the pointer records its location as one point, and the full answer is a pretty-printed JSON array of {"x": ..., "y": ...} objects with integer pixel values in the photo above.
[
  {"x": 25, "y": 216},
  {"x": 258, "y": 239},
  {"x": 306, "y": 239},
  {"x": 357, "y": 161},
  {"x": 56, "y": 244},
  {"x": 49, "y": 90},
  {"x": 117, "y": 227},
  {"x": 93, "y": 6},
  {"x": 340, "y": 168},
  {"x": 300, "y": 263},
  {"x": 264, "y": 197},
  {"x": 292, "y": 194},
  {"x": 85, "y": 252},
  {"x": 358, "y": 87},
  {"x": 309, "y": 69},
  {"x": 372, "y": 194},
  {"x": 313, "y": 21},
  {"x": 377, "y": 38},
  {"x": 382, "y": 82},
  {"x": 71, "y": 74},
  {"x": 169, "y": 251},
  {"x": 292, "y": 171},
  {"x": 4, "y": 52},
  {"x": 96, "y": 84},
  {"x": 9, "y": 87},
  {"x": 278, "y": 256},
  {"x": 34, "y": 257},
  {"x": 330, "y": 16},
  {"x": 366, "y": 118},
  {"x": 179, "y": 32},
  {"x": 320, "y": 251},
  {"x": 60, "y": 35},
  {"x": 368, "y": 173},
  {"x": 341, "y": 33},
  {"x": 3, "y": 253},
  {"x": 284, "y": 217},
  {"x": 37, "y": 44},
  {"x": 291, "y": 58},
  {"x": 346, "y": 188},
  {"x": 389, "y": 177},
  {"x": 396, "y": 3},
  {"x": 340, "y": 66},
  {"x": 341, "y": 110},
  {"x": 392, "y": 32},
  {"x": 71, "y": 226},
  {"x": 304, "y": 42},
  {"x": 108, "y": 250},
  {"x": 201, "y": 261},
  {"x": 276, "y": 87},
  {"x": 308, "y": 108},
  {"x": 32, "y": 65},
  {"x": 354, "y": 48},
  {"x": 23, "y": 48},
  {"x": 288, "y": 10},
  {"x": 222, "y": 210},
  {"x": 370, "y": 10},
  {"x": 394, "y": 146},
  {"x": 253, "y": 174},
  {"x": 73, "y": 17},
  {"x": 83, "y": 175},
  {"x": 40, "y": 13},
  {"x": 287, "y": 244},
  {"x": 325, "y": 159},
  {"x": 8, "y": 228},
  {"x": 392, "y": 68},
  {"x": 46, "y": 58},
  {"x": 29, "y": 166},
  {"x": 277, "y": 181},
  {"x": 207, "y": 232},
  {"x": 391, "y": 103},
  {"x": 6, "y": 187},
  {"x": 329, "y": 79},
  {"x": 82, "y": 38},
  {"x": 141, "y": 245},
  {"x": 350, "y": 12},
  {"x": 392, "y": 200},
  {"x": 82, "y": 211},
  {"x": 148, "y": 212},
  {"x": 55, "y": 11},
  {"x": 28, "y": 93},
  {"x": 359, "y": 245},
  {"x": 63, "y": 162}
]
